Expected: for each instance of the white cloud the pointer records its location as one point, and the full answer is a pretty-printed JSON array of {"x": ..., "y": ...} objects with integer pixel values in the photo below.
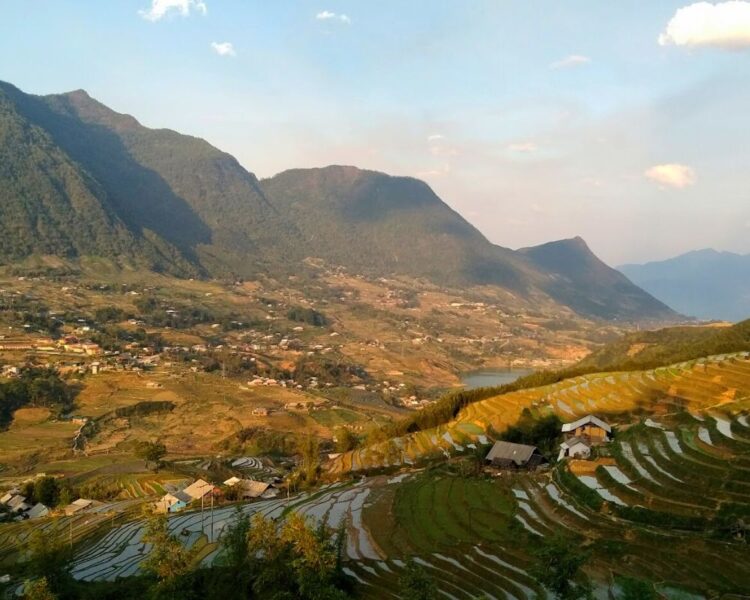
[
  {"x": 327, "y": 15},
  {"x": 223, "y": 48},
  {"x": 435, "y": 137},
  {"x": 702, "y": 24},
  {"x": 671, "y": 175},
  {"x": 572, "y": 60},
  {"x": 161, "y": 8},
  {"x": 523, "y": 147}
]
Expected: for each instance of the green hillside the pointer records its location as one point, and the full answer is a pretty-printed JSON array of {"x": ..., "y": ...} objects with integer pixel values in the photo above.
[
  {"x": 375, "y": 223},
  {"x": 81, "y": 180}
]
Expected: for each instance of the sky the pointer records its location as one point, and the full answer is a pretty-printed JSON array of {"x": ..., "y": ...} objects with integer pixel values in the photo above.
[{"x": 626, "y": 123}]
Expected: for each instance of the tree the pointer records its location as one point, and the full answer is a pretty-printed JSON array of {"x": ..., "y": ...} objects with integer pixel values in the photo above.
[
  {"x": 38, "y": 589},
  {"x": 48, "y": 559},
  {"x": 151, "y": 452},
  {"x": 636, "y": 589},
  {"x": 416, "y": 584},
  {"x": 345, "y": 440},
  {"x": 310, "y": 448},
  {"x": 234, "y": 542},
  {"x": 168, "y": 560},
  {"x": 559, "y": 563},
  {"x": 296, "y": 560},
  {"x": 47, "y": 491}
]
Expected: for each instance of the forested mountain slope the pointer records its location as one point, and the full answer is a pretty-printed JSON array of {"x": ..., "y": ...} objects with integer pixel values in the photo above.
[{"x": 79, "y": 179}]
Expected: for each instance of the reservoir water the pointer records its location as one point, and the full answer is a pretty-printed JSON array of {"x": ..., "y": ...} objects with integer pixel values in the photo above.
[{"x": 491, "y": 377}]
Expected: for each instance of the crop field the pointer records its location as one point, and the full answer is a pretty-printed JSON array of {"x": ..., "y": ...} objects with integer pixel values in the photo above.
[
  {"x": 658, "y": 513},
  {"x": 120, "y": 551},
  {"x": 718, "y": 385}
]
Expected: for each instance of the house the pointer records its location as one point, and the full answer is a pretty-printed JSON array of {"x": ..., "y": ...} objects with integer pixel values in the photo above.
[
  {"x": 249, "y": 489},
  {"x": 198, "y": 489},
  {"x": 37, "y": 511},
  {"x": 9, "y": 495},
  {"x": 232, "y": 481},
  {"x": 514, "y": 456},
  {"x": 80, "y": 505},
  {"x": 575, "y": 447},
  {"x": 591, "y": 428},
  {"x": 173, "y": 502},
  {"x": 17, "y": 503},
  {"x": 261, "y": 412}
]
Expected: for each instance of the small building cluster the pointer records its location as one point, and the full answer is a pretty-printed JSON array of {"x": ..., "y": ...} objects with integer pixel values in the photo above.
[
  {"x": 582, "y": 435},
  {"x": 202, "y": 491}
]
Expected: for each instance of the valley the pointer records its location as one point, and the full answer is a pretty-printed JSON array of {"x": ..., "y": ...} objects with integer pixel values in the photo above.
[{"x": 328, "y": 384}]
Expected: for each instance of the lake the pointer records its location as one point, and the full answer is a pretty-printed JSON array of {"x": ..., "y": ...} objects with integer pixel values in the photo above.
[{"x": 491, "y": 377}]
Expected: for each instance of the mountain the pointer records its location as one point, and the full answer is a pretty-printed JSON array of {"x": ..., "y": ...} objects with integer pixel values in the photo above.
[
  {"x": 78, "y": 179},
  {"x": 376, "y": 223},
  {"x": 705, "y": 283},
  {"x": 578, "y": 278}
]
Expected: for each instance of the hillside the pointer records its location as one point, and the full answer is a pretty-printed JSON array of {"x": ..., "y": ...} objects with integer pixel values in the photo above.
[
  {"x": 372, "y": 222},
  {"x": 578, "y": 278},
  {"x": 706, "y": 284},
  {"x": 649, "y": 349},
  {"x": 696, "y": 386},
  {"x": 375, "y": 223},
  {"x": 81, "y": 180}
]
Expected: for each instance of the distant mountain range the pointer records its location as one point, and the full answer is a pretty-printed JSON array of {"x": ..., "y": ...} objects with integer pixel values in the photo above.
[
  {"x": 705, "y": 283},
  {"x": 80, "y": 180}
]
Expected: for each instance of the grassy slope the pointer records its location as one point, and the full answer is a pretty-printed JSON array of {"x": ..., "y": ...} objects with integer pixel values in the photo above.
[{"x": 722, "y": 383}]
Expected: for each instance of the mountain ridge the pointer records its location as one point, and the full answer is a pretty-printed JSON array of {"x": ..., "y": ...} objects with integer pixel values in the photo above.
[
  {"x": 707, "y": 283},
  {"x": 175, "y": 203}
]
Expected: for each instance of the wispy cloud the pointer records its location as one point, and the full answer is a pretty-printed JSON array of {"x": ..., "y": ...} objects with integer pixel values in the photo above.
[
  {"x": 572, "y": 60},
  {"x": 162, "y": 8},
  {"x": 327, "y": 15},
  {"x": 523, "y": 147},
  {"x": 223, "y": 48},
  {"x": 672, "y": 175},
  {"x": 435, "y": 137},
  {"x": 724, "y": 25}
]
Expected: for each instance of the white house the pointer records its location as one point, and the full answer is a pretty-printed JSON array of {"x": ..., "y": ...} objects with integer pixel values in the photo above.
[
  {"x": 173, "y": 502},
  {"x": 575, "y": 447}
]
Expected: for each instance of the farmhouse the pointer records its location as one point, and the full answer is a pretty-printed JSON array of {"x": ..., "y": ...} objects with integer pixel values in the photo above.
[
  {"x": 79, "y": 505},
  {"x": 250, "y": 488},
  {"x": 174, "y": 502},
  {"x": 514, "y": 456},
  {"x": 591, "y": 428},
  {"x": 15, "y": 502},
  {"x": 38, "y": 511},
  {"x": 575, "y": 447},
  {"x": 198, "y": 489}
]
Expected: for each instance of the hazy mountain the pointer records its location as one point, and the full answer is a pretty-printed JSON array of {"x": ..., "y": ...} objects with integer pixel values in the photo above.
[
  {"x": 78, "y": 179},
  {"x": 705, "y": 283},
  {"x": 578, "y": 278}
]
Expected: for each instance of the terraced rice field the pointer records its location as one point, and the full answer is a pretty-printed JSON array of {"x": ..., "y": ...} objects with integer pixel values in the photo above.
[
  {"x": 717, "y": 387},
  {"x": 120, "y": 552},
  {"x": 14, "y": 536},
  {"x": 658, "y": 516}
]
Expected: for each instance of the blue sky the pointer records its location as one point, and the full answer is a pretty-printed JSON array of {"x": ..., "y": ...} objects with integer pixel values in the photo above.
[{"x": 536, "y": 120}]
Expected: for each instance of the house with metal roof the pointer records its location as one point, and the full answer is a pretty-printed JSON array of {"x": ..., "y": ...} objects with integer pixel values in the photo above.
[
  {"x": 514, "y": 456},
  {"x": 591, "y": 428}
]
